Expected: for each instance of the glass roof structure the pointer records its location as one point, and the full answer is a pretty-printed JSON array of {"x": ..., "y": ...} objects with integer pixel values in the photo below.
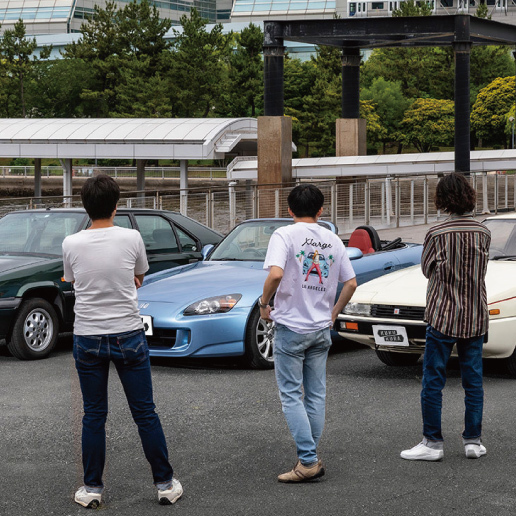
[
  {"x": 41, "y": 10},
  {"x": 266, "y": 8}
]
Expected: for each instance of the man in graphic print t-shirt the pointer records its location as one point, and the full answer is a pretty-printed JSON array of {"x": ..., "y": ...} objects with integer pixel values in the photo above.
[{"x": 304, "y": 312}]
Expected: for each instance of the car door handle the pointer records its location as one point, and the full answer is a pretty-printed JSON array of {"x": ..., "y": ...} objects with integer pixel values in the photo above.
[{"x": 388, "y": 266}]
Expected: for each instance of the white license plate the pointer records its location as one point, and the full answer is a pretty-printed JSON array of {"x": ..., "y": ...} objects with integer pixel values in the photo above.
[
  {"x": 390, "y": 335},
  {"x": 147, "y": 324}
]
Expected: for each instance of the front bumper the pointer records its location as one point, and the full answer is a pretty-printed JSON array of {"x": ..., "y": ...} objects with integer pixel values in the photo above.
[
  {"x": 217, "y": 335},
  {"x": 8, "y": 309}
]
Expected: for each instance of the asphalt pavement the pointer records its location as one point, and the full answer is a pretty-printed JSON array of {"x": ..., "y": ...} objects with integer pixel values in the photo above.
[{"x": 228, "y": 441}]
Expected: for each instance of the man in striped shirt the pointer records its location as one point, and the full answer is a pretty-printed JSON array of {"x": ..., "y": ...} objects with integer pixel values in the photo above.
[{"x": 455, "y": 256}]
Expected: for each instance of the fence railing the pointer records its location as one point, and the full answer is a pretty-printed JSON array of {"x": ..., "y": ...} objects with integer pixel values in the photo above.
[
  {"x": 383, "y": 202},
  {"x": 116, "y": 172}
]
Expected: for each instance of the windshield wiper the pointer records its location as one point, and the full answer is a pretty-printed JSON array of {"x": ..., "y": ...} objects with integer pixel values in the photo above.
[
  {"x": 505, "y": 257},
  {"x": 225, "y": 260}
]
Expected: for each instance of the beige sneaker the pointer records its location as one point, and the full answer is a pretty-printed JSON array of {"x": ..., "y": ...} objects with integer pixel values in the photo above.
[{"x": 302, "y": 473}]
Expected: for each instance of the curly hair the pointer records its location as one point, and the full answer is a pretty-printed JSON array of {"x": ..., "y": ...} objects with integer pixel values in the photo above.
[{"x": 454, "y": 194}]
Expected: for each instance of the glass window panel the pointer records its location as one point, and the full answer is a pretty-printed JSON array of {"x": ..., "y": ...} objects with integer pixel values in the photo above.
[
  {"x": 157, "y": 234},
  {"x": 377, "y": 5},
  {"x": 242, "y": 8},
  {"x": 262, "y": 7},
  {"x": 279, "y": 6},
  {"x": 316, "y": 5}
]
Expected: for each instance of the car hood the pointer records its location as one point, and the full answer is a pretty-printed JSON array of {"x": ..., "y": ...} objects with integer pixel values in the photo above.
[
  {"x": 408, "y": 287},
  {"x": 12, "y": 262},
  {"x": 191, "y": 283}
]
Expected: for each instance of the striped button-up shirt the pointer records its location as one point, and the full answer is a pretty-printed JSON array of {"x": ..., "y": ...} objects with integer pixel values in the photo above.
[{"x": 455, "y": 256}]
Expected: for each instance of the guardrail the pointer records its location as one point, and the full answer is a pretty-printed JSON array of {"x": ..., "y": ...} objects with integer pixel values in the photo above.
[{"x": 383, "y": 202}]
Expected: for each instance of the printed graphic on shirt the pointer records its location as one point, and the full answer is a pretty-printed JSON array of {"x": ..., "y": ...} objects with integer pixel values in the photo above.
[{"x": 315, "y": 263}]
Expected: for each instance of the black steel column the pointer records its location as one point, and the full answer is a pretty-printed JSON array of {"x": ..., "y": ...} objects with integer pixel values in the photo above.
[
  {"x": 350, "y": 83},
  {"x": 273, "y": 58},
  {"x": 462, "y": 51}
]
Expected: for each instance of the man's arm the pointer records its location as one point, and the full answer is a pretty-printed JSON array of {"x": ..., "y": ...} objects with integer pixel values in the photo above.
[
  {"x": 138, "y": 280},
  {"x": 348, "y": 289},
  {"x": 269, "y": 288},
  {"x": 428, "y": 256}
]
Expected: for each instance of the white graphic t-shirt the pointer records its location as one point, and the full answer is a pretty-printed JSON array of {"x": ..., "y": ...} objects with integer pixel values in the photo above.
[
  {"x": 314, "y": 260},
  {"x": 102, "y": 263}
]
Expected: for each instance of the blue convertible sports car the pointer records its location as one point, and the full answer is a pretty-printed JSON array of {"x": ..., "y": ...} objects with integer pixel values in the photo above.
[{"x": 209, "y": 308}]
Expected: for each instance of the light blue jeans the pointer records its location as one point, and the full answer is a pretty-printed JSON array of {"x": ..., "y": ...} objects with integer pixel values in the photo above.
[{"x": 300, "y": 364}]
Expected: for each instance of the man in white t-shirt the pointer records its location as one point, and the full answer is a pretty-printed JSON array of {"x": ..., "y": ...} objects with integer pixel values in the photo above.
[
  {"x": 305, "y": 262},
  {"x": 106, "y": 263}
]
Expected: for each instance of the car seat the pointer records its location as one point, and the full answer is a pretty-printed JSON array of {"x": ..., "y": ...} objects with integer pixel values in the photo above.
[{"x": 360, "y": 238}]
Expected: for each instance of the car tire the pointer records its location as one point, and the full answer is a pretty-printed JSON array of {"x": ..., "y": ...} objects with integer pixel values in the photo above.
[
  {"x": 35, "y": 330},
  {"x": 258, "y": 342},
  {"x": 510, "y": 362},
  {"x": 397, "y": 359}
]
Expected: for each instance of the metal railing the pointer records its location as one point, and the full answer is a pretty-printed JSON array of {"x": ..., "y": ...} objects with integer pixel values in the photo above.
[{"x": 383, "y": 202}]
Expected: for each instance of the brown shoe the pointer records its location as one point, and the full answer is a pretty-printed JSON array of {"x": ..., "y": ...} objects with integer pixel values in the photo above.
[{"x": 302, "y": 473}]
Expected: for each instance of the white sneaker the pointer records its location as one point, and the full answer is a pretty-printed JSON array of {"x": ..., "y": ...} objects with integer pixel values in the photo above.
[
  {"x": 422, "y": 452},
  {"x": 172, "y": 495},
  {"x": 474, "y": 451},
  {"x": 88, "y": 500}
]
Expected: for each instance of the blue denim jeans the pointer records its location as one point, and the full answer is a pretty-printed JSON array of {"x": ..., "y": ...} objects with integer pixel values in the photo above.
[
  {"x": 300, "y": 364},
  {"x": 130, "y": 354},
  {"x": 437, "y": 353}
]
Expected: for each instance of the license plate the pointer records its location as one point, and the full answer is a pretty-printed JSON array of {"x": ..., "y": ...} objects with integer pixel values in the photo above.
[
  {"x": 390, "y": 335},
  {"x": 147, "y": 324}
]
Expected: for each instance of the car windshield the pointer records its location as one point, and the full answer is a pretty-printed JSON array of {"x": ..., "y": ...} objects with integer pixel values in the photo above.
[
  {"x": 248, "y": 241},
  {"x": 37, "y": 232},
  {"x": 503, "y": 238}
]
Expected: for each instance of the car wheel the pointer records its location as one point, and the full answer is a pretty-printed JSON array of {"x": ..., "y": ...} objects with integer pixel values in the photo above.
[
  {"x": 510, "y": 362},
  {"x": 35, "y": 330},
  {"x": 258, "y": 342},
  {"x": 397, "y": 359}
]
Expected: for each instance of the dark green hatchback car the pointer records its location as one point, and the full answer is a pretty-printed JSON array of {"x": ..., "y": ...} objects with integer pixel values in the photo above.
[{"x": 35, "y": 301}]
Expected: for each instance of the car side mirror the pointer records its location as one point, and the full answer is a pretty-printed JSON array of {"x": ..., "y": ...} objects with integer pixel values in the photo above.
[
  {"x": 206, "y": 250},
  {"x": 354, "y": 253}
]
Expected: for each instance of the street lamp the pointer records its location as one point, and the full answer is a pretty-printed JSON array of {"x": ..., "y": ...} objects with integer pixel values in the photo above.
[{"x": 511, "y": 120}]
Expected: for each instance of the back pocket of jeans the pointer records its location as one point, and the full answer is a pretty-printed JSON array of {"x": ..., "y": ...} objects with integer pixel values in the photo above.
[
  {"x": 86, "y": 349},
  {"x": 134, "y": 346}
]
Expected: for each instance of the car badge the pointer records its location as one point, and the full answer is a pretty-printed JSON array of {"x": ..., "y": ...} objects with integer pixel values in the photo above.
[
  {"x": 143, "y": 306},
  {"x": 396, "y": 311}
]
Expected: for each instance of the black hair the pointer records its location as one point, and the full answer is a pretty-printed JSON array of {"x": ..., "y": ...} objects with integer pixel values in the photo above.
[
  {"x": 99, "y": 196},
  {"x": 454, "y": 194},
  {"x": 305, "y": 200}
]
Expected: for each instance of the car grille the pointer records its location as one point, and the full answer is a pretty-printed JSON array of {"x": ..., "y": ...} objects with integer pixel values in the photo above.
[
  {"x": 162, "y": 338},
  {"x": 413, "y": 313}
]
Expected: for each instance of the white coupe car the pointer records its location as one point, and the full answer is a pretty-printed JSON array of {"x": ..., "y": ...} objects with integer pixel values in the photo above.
[{"x": 387, "y": 313}]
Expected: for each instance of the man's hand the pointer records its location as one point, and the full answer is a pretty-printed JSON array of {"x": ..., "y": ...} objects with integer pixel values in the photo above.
[{"x": 265, "y": 313}]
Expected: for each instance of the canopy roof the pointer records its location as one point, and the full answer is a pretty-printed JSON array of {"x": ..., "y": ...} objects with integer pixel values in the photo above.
[
  {"x": 414, "y": 31},
  {"x": 129, "y": 138},
  {"x": 386, "y": 164}
]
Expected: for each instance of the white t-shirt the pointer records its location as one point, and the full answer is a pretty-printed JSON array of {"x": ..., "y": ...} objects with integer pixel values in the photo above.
[
  {"x": 102, "y": 263},
  {"x": 313, "y": 260}
]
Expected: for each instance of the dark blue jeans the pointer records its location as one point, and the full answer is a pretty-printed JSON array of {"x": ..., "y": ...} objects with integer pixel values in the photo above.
[
  {"x": 437, "y": 353},
  {"x": 130, "y": 354}
]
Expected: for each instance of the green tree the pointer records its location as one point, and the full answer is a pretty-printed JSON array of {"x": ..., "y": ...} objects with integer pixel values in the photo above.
[
  {"x": 428, "y": 123},
  {"x": 122, "y": 47},
  {"x": 489, "y": 113},
  {"x": 18, "y": 60},
  {"x": 412, "y": 8},
  {"x": 245, "y": 78},
  {"x": 199, "y": 67},
  {"x": 390, "y": 105}
]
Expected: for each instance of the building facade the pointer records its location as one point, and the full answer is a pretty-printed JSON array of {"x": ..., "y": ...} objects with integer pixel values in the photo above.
[{"x": 67, "y": 16}]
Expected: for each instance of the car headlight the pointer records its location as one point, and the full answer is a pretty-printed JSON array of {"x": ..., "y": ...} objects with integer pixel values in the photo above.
[
  {"x": 213, "y": 305},
  {"x": 357, "y": 309}
]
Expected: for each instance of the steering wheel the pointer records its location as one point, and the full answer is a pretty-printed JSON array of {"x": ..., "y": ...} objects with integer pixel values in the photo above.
[{"x": 391, "y": 245}]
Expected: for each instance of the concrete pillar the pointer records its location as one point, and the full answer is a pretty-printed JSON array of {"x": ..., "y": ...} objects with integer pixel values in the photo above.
[
  {"x": 462, "y": 51},
  {"x": 140, "y": 181},
  {"x": 274, "y": 159},
  {"x": 183, "y": 186},
  {"x": 37, "y": 180},
  {"x": 350, "y": 130},
  {"x": 67, "y": 182}
]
